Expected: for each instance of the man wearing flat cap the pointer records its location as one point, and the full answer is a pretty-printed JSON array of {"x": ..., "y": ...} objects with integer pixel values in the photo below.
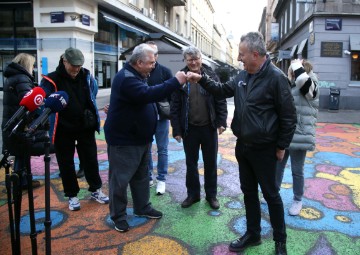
[{"x": 75, "y": 125}]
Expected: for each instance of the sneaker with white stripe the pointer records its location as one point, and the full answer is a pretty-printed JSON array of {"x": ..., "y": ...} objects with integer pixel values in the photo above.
[{"x": 100, "y": 197}]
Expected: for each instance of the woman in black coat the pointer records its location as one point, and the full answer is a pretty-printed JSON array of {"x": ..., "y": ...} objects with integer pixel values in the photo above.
[{"x": 19, "y": 81}]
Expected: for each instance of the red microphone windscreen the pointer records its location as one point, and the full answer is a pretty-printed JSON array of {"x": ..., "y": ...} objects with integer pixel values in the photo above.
[{"x": 33, "y": 99}]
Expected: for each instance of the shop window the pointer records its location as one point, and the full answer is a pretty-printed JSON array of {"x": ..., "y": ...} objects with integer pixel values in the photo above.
[{"x": 355, "y": 65}]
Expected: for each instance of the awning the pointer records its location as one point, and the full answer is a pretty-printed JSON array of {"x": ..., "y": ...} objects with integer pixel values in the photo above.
[
  {"x": 301, "y": 46},
  {"x": 354, "y": 42},
  {"x": 293, "y": 51},
  {"x": 124, "y": 25}
]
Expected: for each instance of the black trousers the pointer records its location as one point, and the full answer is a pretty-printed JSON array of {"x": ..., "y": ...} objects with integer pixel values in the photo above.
[
  {"x": 206, "y": 138},
  {"x": 258, "y": 166},
  {"x": 65, "y": 150}
]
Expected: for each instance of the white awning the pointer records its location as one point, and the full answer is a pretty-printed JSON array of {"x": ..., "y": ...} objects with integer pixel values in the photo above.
[
  {"x": 301, "y": 46},
  {"x": 355, "y": 42},
  {"x": 293, "y": 51},
  {"x": 123, "y": 24}
]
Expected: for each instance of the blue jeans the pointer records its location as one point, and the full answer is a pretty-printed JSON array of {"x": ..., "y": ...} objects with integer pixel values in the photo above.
[
  {"x": 297, "y": 158},
  {"x": 162, "y": 142}
]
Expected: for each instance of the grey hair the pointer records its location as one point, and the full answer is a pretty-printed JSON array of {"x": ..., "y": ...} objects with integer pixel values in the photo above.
[
  {"x": 254, "y": 42},
  {"x": 141, "y": 52},
  {"x": 25, "y": 60},
  {"x": 192, "y": 52}
]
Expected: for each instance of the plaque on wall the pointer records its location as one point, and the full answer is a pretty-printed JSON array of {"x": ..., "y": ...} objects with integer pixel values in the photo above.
[
  {"x": 57, "y": 17},
  {"x": 333, "y": 24},
  {"x": 331, "y": 49},
  {"x": 85, "y": 20}
]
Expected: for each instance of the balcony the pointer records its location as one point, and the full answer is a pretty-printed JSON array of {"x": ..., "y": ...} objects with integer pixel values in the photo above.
[{"x": 173, "y": 3}]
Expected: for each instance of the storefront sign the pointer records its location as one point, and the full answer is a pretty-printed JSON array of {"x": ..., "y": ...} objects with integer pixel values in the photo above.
[
  {"x": 284, "y": 54},
  {"x": 331, "y": 49},
  {"x": 57, "y": 17}
]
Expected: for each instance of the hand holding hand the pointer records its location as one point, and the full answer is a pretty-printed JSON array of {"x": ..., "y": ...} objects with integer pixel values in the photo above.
[
  {"x": 181, "y": 77},
  {"x": 193, "y": 77}
]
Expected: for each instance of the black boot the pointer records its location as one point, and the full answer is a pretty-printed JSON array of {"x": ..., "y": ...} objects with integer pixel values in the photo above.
[{"x": 280, "y": 248}]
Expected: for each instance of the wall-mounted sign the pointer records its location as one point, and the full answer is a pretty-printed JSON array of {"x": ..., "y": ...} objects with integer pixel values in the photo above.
[
  {"x": 57, "y": 17},
  {"x": 331, "y": 49},
  {"x": 85, "y": 20},
  {"x": 275, "y": 32},
  {"x": 333, "y": 24},
  {"x": 284, "y": 54}
]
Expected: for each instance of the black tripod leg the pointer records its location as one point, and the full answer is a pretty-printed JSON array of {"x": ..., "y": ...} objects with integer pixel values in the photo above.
[
  {"x": 33, "y": 233},
  {"x": 47, "y": 222},
  {"x": 17, "y": 195},
  {"x": 10, "y": 207}
]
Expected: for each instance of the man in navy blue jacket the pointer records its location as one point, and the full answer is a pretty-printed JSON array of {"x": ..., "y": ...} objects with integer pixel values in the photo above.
[{"x": 129, "y": 129}]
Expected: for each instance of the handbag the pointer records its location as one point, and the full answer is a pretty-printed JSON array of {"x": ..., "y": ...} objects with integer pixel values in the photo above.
[{"x": 164, "y": 109}]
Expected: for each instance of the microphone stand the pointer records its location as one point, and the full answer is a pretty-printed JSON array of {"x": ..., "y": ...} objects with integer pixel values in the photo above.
[
  {"x": 47, "y": 222},
  {"x": 6, "y": 164},
  {"x": 27, "y": 164},
  {"x": 22, "y": 166}
]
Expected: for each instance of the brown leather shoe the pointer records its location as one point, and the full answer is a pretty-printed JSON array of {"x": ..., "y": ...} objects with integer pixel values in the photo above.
[
  {"x": 213, "y": 202},
  {"x": 189, "y": 201}
]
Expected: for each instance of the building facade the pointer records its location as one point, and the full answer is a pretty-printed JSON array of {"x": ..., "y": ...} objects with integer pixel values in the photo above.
[
  {"x": 327, "y": 33},
  {"x": 101, "y": 29}
]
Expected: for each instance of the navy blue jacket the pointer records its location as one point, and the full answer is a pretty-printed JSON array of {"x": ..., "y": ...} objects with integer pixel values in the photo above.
[{"x": 132, "y": 115}]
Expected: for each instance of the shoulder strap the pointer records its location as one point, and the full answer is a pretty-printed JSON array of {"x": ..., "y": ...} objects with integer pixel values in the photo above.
[{"x": 50, "y": 80}]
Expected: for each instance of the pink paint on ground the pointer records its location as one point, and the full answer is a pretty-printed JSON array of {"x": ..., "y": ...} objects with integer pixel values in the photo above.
[
  {"x": 329, "y": 169},
  {"x": 321, "y": 190}
]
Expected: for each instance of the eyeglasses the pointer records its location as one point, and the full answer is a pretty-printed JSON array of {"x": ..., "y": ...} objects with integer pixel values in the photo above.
[{"x": 192, "y": 60}]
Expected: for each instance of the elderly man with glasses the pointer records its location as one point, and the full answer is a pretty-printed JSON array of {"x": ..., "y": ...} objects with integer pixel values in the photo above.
[{"x": 196, "y": 118}]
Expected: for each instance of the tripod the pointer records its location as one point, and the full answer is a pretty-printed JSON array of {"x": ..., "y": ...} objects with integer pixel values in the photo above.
[{"x": 14, "y": 183}]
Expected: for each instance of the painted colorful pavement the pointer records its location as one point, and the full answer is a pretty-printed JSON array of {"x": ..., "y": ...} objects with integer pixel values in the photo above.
[{"x": 328, "y": 224}]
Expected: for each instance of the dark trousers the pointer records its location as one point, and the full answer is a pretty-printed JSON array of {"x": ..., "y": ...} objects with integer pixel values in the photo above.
[
  {"x": 65, "y": 150},
  {"x": 258, "y": 166},
  {"x": 206, "y": 138},
  {"x": 128, "y": 165}
]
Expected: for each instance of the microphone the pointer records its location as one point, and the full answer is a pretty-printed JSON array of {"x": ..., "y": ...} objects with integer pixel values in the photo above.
[
  {"x": 54, "y": 103},
  {"x": 29, "y": 103}
]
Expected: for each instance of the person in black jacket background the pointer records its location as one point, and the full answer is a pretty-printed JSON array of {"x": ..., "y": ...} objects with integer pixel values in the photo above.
[
  {"x": 19, "y": 81},
  {"x": 158, "y": 75},
  {"x": 196, "y": 117},
  {"x": 264, "y": 123}
]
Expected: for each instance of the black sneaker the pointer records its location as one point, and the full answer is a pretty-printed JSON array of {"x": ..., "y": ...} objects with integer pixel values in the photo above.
[
  {"x": 122, "y": 226},
  {"x": 151, "y": 214}
]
